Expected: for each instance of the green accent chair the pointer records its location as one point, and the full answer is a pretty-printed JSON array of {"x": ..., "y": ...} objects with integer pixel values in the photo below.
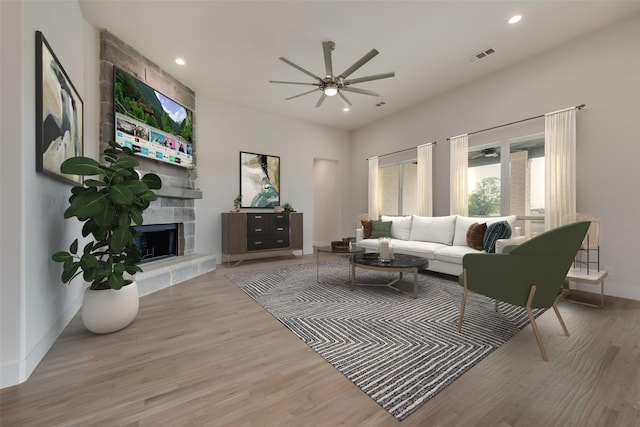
[{"x": 530, "y": 275}]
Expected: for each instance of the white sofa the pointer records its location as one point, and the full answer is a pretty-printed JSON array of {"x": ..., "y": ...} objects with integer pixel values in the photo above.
[{"x": 442, "y": 240}]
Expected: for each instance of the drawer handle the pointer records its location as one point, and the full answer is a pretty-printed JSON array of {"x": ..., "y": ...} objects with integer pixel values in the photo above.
[
  {"x": 258, "y": 229},
  {"x": 258, "y": 243},
  {"x": 258, "y": 216},
  {"x": 280, "y": 241},
  {"x": 280, "y": 228}
]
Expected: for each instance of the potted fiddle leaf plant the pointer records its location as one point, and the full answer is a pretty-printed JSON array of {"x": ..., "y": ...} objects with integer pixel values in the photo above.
[{"x": 108, "y": 206}]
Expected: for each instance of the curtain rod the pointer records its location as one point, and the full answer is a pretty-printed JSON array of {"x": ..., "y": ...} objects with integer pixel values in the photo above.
[
  {"x": 402, "y": 151},
  {"x": 578, "y": 107}
]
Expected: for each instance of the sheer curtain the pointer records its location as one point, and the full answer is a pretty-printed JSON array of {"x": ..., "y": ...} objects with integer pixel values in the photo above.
[
  {"x": 373, "y": 187},
  {"x": 425, "y": 180},
  {"x": 458, "y": 164},
  {"x": 560, "y": 166}
]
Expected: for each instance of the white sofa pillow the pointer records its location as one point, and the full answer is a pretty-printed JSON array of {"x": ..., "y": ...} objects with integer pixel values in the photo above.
[
  {"x": 400, "y": 226},
  {"x": 438, "y": 229},
  {"x": 464, "y": 222}
]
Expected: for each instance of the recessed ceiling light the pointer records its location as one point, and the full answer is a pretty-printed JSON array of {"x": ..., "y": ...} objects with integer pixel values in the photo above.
[
  {"x": 345, "y": 109},
  {"x": 180, "y": 61},
  {"x": 515, "y": 18}
]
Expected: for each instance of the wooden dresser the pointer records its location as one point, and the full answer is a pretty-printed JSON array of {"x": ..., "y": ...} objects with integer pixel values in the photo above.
[{"x": 245, "y": 234}]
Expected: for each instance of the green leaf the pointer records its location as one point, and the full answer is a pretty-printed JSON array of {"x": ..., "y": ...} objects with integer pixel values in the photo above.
[
  {"x": 116, "y": 281},
  {"x": 88, "y": 248},
  {"x": 136, "y": 216},
  {"x": 106, "y": 216},
  {"x": 88, "y": 204},
  {"x": 74, "y": 247},
  {"x": 149, "y": 196},
  {"x": 120, "y": 194},
  {"x": 120, "y": 238},
  {"x": 61, "y": 256},
  {"x": 69, "y": 272},
  {"x": 94, "y": 183},
  {"x": 136, "y": 187},
  {"x": 125, "y": 163},
  {"x": 81, "y": 166},
  {"x": 152, "y": 180}
]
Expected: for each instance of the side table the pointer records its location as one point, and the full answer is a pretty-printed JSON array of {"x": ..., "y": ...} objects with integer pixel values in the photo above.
[
  {"x": 581, "y": 276},
  {"x": 354, "y": 250}
]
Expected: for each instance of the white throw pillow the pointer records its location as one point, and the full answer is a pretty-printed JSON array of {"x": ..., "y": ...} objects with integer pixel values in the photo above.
[
  {"x": 437, "y": 229},
  {"x": 400, "y": 226}
]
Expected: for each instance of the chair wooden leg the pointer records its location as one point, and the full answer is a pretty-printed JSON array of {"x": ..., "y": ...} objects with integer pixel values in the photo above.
[
  {"x": 497, "y": 305},
  {"x": 464, "y": 301},
  {"x": 532, "y": 292},
  {"x": 555, "y": 308}
]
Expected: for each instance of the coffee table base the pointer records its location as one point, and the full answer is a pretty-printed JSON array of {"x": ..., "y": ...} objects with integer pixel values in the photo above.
[{"x": 399, "y": 270}]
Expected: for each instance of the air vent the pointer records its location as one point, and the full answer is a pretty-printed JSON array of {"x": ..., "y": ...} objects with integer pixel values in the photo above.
[{"x": 480, "y": 55}]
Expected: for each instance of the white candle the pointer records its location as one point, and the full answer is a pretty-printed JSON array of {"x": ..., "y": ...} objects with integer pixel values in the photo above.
[{"x": 384, "y": 249}]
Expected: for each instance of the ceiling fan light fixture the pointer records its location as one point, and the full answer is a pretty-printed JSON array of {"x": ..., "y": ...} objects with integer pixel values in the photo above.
[{"x": 331, "y": 89}]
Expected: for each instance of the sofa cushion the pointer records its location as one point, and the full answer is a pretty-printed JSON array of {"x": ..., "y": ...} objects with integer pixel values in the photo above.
[
  {"x": 437, "y": 229},
  {"x": 407, "y": 247},
  {"x": 454, "y": 254},
  {"x": 380, "y": 229},
  {"x": 366, "y": 229},
  {"x": 475, "y": 235},
  {"x": 400, "y": 226},
  {"x": 464, "y": 222},
  {"x": 495, "y": 231}
]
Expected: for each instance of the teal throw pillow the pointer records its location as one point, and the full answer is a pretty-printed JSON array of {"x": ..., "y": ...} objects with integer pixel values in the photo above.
[
  {"x": 380, "y": 229},
  {"x": 495, "y": 231}
]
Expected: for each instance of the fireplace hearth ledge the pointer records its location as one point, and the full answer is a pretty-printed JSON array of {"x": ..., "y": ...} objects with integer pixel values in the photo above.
[
  {"x": 179, "y": 193},
  {"x": 167, "y": 272}
]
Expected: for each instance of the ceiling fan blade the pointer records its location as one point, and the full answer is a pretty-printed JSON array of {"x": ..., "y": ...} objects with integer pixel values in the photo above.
[
  {"x": 319, "y": 103},
  {"x": 346, "y": 73},
  {"x": 293, "y": 83},
  {"x": 369, "y": 78},
  {"x": 344, "y": 99},
  {"x": 362, "y": 91},
  {"x": 327, "y": 47},
  {"x": 297, "y": 67},
  {"x": 302, "y": 94}
]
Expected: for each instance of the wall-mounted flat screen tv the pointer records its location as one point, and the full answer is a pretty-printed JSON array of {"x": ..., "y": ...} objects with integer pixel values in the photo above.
[{"x": 150, "y": 123}]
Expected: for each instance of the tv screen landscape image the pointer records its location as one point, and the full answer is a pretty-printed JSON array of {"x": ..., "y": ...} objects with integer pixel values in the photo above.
[{"x": 150, "y": 123}]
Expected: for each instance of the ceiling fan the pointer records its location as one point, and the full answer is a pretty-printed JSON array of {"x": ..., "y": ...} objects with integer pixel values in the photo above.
[
  {"x": 331, "y": 84},
  {"x": 487, "y": 152}
]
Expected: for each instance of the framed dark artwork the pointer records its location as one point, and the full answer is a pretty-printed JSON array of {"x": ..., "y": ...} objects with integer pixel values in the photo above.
[
  {"x": 259, "y": 180},
  {"x": 59, "y": 115}
]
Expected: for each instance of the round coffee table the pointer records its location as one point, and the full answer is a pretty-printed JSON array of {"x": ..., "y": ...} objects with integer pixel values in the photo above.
[{"x": 400, "y": 264}]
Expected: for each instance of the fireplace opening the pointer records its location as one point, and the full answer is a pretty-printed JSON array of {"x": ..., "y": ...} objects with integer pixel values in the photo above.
[{"x": 157, "y": 241}]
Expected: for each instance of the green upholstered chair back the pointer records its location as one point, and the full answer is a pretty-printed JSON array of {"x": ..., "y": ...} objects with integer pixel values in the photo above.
[{"x": 542, "y": 261}]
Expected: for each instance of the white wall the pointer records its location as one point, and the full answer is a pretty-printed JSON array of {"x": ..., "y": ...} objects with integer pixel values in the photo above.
[
  {"x": 326, "y": 215},
  {"x": 223, "y": 130},
  {"x": 36, "y": 306},
  {"x": 600, "y": 70}
]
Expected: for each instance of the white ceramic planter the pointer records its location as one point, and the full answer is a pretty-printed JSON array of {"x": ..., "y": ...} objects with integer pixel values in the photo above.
[{"x": 109, "y": 310}]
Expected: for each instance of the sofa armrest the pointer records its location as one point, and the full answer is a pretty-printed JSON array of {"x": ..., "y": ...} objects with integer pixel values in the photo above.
[
  {"x": 359, "y": 234},
  {"x": 501, "y": 244}
]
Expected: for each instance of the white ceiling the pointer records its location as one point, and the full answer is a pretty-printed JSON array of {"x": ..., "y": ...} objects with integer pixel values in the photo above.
[{"x": 232, "y": 47}]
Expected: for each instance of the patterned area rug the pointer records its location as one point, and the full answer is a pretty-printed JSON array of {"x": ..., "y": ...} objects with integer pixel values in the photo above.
[{"x": 399, "y": 350}]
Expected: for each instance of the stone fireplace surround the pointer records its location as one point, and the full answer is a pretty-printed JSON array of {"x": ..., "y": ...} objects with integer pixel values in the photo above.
[{"x": 176, "y": 201}]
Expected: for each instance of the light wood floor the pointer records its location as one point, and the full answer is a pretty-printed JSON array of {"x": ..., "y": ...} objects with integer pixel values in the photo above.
[{"x": 202, "y": 353}]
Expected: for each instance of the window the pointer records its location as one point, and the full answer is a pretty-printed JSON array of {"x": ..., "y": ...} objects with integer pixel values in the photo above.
[
  {"x": 397, "y": 187},
  {"x": 507, "y": 178}
]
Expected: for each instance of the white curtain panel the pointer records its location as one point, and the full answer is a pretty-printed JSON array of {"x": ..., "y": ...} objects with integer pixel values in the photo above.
[
  {"x": 458, "y": 164},
  {"x": 560, "y": 166},
  {"x": 373, "y": 187},
  {"x": 425, "y": 180}
]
